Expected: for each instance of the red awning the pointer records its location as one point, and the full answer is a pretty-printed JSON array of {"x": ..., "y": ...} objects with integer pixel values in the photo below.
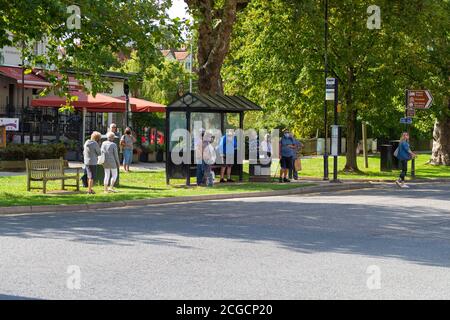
[
  {"x": 32, "y": 80},
  {"x": 140, "y": 105},
  {"x": 99, "y": 103}
]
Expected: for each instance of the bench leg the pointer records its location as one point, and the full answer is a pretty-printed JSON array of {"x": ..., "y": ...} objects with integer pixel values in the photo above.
[
  {"x": 63, "y": 185},
  {"x": 44, "y": 182},
  {"x": 28, "y": 185}
]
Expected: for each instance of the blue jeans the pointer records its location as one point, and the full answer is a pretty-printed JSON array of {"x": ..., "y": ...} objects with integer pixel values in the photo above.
[
  {"x": 404, "y": 168},
  {"x": 127, "y": 156},
  {"x": 200, "y": 172}
]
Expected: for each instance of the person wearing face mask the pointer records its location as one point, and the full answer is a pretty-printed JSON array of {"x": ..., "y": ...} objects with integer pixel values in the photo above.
[{"x": 287, "y": 147}]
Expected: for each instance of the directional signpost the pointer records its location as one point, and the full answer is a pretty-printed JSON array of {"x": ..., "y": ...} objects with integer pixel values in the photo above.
[
  {"x": 419, "y": 99},
  {"x": 416, "y": 99}
]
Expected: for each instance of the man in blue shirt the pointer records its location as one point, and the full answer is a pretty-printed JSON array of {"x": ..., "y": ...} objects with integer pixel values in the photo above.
[
  {"x": 287, "y": 147},
  {"x": 227, "y": 147}
]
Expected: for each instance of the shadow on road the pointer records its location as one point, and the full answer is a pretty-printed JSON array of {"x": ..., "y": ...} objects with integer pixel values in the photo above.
[{"x": 377, "y": 223}]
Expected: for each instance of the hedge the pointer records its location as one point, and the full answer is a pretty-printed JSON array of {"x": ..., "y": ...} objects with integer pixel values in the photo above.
[{"x": 20, "y": 152}]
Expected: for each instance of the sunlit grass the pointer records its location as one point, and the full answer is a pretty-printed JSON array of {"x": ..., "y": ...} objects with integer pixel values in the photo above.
[{"x": 133, "y": 186}]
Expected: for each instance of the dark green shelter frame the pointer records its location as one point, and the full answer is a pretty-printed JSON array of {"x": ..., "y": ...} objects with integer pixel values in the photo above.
[{"x": 204, "y": 103}]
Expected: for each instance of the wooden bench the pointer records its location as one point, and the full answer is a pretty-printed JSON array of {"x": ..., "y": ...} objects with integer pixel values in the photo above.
[{"x": 49, "y": 170}]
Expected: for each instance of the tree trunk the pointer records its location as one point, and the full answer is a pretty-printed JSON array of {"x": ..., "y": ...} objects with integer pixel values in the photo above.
[
  {"x": 351, "y": 164},
  {"x": 213, "y": 41},
  {"x": 441, "y": 142}
]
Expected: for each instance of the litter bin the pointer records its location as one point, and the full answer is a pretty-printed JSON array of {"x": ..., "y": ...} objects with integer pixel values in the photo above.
[
  {"x": 395, "y": 161},
  {"x": 386, "y": 157}
]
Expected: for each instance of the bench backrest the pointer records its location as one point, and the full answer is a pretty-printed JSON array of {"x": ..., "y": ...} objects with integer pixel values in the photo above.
[{"x": 55, "y": 168}]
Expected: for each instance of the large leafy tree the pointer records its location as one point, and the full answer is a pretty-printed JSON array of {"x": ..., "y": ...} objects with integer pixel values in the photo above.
[
  {"x": 277, "y": 59},
  {"x": 214, "y": 21},
  {"x": 107, "y": 30}
]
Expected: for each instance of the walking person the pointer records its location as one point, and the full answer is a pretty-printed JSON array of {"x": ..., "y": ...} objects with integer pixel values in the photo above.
[
  {"x": 91, "y": 152},
  {"x": 111, "y": 162},
  {"x": 287, "y": 146},
  {"x": 126, "y": 142},
  {"x": 403, "y": 154}
]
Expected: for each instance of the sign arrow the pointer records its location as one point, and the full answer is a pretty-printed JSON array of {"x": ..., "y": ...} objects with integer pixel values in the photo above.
[{"x": 419, "y": 99}]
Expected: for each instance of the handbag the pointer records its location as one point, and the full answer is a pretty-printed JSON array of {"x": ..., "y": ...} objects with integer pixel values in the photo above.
[
  {"x": 298, "y": 165},
  {"x": 101, "y": 159},
  {"x": 396, "y": 152}
]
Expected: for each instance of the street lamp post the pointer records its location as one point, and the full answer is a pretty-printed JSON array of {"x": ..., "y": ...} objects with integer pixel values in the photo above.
[
  {"x": 325, "y": 154},
  {"x": 126, "y": 91}
]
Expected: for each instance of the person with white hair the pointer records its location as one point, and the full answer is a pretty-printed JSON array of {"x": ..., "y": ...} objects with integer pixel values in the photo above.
[{"x": 111, "y": 162}]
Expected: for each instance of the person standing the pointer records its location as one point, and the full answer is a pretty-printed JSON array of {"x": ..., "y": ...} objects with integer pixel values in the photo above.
[
  {"x": 227, "y": 148},
  {"x": 91, "y": 152},
  {"x": 126, "y": 142},
  {"x": 209, "y": 158},
  {"x": 404, "y": 154},
  {"x": 293, "y": 173},
  {"x": 200, "y": 164},
  {"x": 112, "y": 162},
  {"x": 287, "y": 146}
]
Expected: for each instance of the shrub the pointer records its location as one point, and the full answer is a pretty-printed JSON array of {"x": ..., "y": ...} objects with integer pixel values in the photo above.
[{"x": 20, "y": 152}]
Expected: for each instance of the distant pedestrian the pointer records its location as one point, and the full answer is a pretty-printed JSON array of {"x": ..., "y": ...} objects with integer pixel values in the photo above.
[
  {"x": 209, "y": 158},
  {"x": 296, "y": 164},
  {"x": 111, "y": 162},
  {"x": 91, "y": 152},
  {"x": 200, "y": 164},
  {"x": 287, "y": 146},
  {"x": 404, "y": 154},
  {"x": 227, "y": 148},
  {"x": 126, "y": 142}
]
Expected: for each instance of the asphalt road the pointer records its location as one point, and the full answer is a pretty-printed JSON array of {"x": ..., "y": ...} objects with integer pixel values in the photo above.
[{"x": 368, "y": 244}]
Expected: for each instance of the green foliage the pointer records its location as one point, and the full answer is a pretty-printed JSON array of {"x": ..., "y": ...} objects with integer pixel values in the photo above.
[
  {"x": 109, "y": 28},
  {"x": 20, "y": 152},
  {"x": 277, "y": 58}
]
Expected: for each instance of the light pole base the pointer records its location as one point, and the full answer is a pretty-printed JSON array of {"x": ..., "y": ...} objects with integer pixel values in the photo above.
[{"x": 325, "y": 167}]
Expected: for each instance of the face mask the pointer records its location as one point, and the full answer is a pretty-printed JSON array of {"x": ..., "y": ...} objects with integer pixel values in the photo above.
[{"x": 286, "y": 135}]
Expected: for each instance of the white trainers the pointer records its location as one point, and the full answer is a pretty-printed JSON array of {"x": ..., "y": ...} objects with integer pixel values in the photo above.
[
  {"x": 398, "y": 183},
  {"x": 405, "y": 186}
]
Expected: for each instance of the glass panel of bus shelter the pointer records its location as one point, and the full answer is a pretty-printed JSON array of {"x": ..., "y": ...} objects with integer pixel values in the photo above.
[
  {"x": 177, "y": 121},
  {"x": 208, "y": 121}
]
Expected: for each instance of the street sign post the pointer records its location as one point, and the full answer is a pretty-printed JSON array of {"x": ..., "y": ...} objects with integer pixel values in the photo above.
[
  {"x": 330, "y": 89},
  {"x": 419, "y": 99},
  {"x": 406, "y": 120}
]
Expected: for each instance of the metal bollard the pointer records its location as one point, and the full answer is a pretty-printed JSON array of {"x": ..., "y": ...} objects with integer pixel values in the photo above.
[{"x": 413, "y": 168}]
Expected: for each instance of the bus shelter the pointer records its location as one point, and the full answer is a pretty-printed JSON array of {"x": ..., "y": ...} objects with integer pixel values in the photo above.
[{"x": 215, "y": 113}]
